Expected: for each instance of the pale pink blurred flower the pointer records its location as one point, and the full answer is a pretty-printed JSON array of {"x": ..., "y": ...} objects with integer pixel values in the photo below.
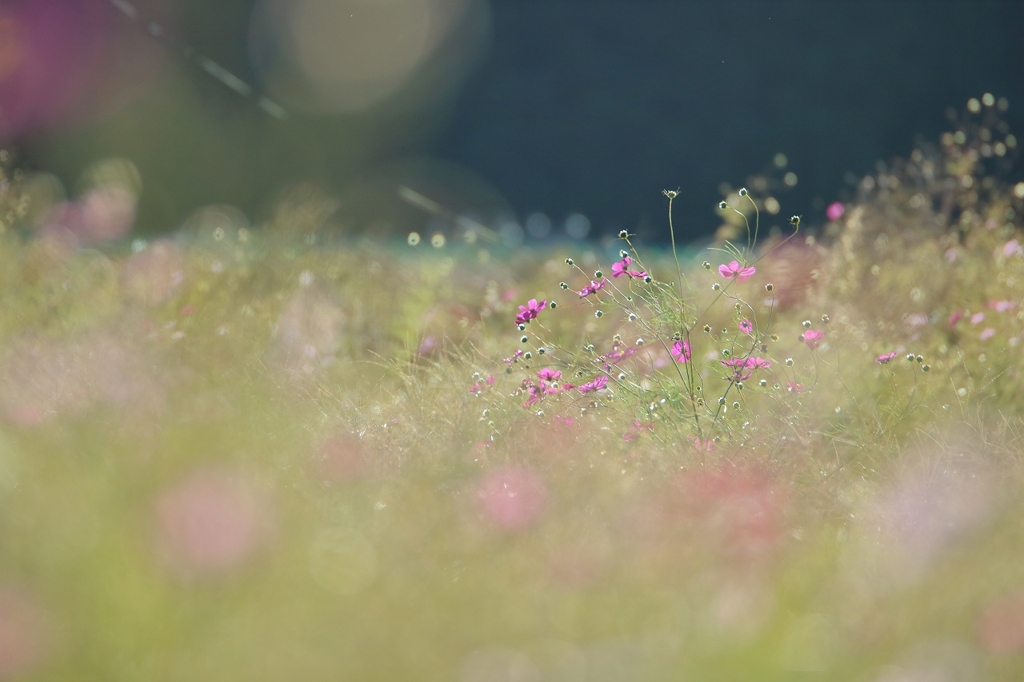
[
  {"x": 737, "y": 271},
  {"x": 1002, "y": 306},
  {"x": 512, "y": 498},
  {"x": 884, "y": 358},
  {"x": 987, "y": 334},
  {"x": 1012, "y": 248},
  {"x": 211, "y": 523},
  {"x": 24, "y": 633},
  {"x": 977, "y": 318},
  {"x": 835, "y": 210},
  {"x": 1001, "y": 625},
  {"x": 955, "y": 317},
  {"x": 597, "y": 384},
  {"x": 793, "y": 387}
]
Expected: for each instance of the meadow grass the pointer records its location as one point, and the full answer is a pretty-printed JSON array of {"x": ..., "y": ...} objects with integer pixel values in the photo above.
[{"x": 248, "y": 455}]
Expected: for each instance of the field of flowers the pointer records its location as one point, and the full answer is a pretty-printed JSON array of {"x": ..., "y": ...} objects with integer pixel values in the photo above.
[{"x": 280, "y": 454}]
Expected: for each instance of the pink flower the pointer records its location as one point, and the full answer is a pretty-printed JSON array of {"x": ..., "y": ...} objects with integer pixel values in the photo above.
[
  {"x": 739, "y": 364},
  {"x": 812, "y": 336},
  {"x": 955, "y": 317},
  {"x": 548, "y": 374},
  {"x": 882, "y": 359},
  {"x": 681, "y": 351},
  {"x": 987, "y": 334},
  {"x": 1002, "y": 306},
  {"x": 1012, "y": 248},
  {"x": 530, "y": 310},
  {"x": 977, "y": 318},
  {"x": 619, "y": 269},
  {"x": 597, "y": 384},
  {"x": 746, "y": 327},
  {"x": 593, "y": 288},
  {"x": 835, "y": 211},
  {"x": 511, "y": 498},
  {"x": 617, "y": 356},
  {"x": 793, "y": 387},
  {"x": 735, "y": 270}
]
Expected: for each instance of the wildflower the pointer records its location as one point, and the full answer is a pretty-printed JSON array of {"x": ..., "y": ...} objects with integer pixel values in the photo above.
[
  {"x": 548, "y": 374},
  {"x": 812, "y": 336},
  {"x": 530, "y": 310},
  {"x": 882, "y": 359},
  {"x": 955, "y": 317},
  {"x": 735, "y": 270},
  {"x": 617, "y": 356},
  {"x": 593, "y": 288},
  {"x": 987, "y": 334},
  {"x": 977, "y": 318},
  {"x": 619, "y": 269},
  {"x": 746, "y": 327},
  {"x": 740, "y": 364},
  {"x": 597, "y": 384},
  {"x": 681, "y": 351},
  {"x": 793, "y": 387},
  {"x": 1002, "y": 306}
]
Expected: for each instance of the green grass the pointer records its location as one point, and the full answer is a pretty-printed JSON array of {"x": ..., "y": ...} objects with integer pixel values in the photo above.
[{"x": 248, "y": 456}]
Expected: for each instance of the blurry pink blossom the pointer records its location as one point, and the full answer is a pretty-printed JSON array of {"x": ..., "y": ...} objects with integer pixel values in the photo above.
[
  {"x": 794, "y": 387},
  {"x": 746, "y": 327},
  {"x": 24, "y": 633},
  {"x": 835, "y": 211},
  {"x": 211, "y": 523},
  {"x": 884, "y": 358},
  {"x": 1002, "y": 306},
  {"x": 597, "y": 384},
  {"x": 977, "y": 318},
  {"x": 512, "y": 498},
  {"x": 987, "y": 334},
  {"x": 1012, "y": 248}
]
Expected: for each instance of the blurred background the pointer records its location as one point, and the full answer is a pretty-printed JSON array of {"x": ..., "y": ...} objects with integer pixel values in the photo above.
[{"x": 534, "y": 120}]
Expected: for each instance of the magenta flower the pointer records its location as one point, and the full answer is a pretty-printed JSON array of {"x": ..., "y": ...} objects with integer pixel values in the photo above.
[
  {"x": 735, "y": 270},
  {"x": 597, "y": 384},
  {"x": 746, "y": 327},
  {"x": 593, "y": 288},
  {"x": 835, "y": 210},
  {"x": 882, "y": 359},
  {"x": 548, "y": 374},
  {"x": 812, "y": 336},
  {"x": 794, "y": 387},
  {"x": 530, "y": 310},
  {"x": 681, "y": 351},
  {"x": 619, "y": 269},
  {"x": 955, "y": 317},
  {"x": 739, "y": 364}
]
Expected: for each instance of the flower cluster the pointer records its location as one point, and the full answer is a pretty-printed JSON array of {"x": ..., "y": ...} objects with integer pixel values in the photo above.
[
  {"x": 547, "y": 384},
  {"x": 743, "y": 368}
]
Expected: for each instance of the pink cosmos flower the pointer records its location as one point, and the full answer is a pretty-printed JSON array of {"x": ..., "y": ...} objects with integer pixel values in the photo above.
[
  {"x": 739, "y": 364},
  {"x": 882, "y": 359},
  {"x": 955, "y": 317},
  {"x": 793, "y": 387},
  {"x": 681, "y": 351},
  {"x": 987, "y": 334},
  {"x": 617, "y": 356},
  {"x": 548, "y": 374},
  {"x": 530, "y": 310},
  {"x": 593, "y": 288},
  {"x": 1012, "y": 248},
  {"x": 619, "y": 269},
  {"x": 977, "y": 318},
  {"x": 735, "y": 270},
  {"x": 812, "y": 336},
  {"x": 597, "y": 384},
  {"x": 746, "y": 327}
]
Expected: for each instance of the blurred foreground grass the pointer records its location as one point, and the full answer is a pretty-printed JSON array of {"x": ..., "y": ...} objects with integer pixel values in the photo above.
[{"x": 239, "y": 455}]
